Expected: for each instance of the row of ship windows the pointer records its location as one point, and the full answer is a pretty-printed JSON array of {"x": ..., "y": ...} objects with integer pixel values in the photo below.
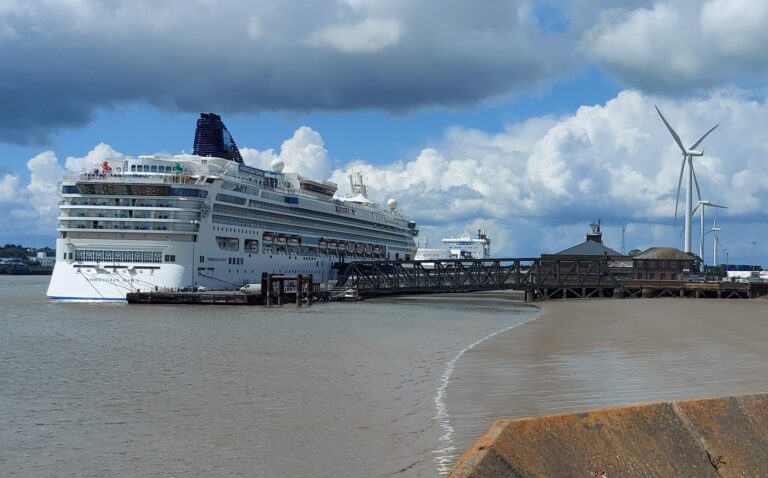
[
  {"x": 337, "y": 206},
  {"x": 100, "y": 255},
  {"x": 299, "y": 229},
  {"x": 127, "y": 226},
  {"x": 146, "y": 168},
  {"x": 181, "y": 216},
  {"x": 121, "y": 202},
  {"x": 272, "y": 218},
  {"x": 120, "y": 189},
  {"x": 375, "y": 221}
]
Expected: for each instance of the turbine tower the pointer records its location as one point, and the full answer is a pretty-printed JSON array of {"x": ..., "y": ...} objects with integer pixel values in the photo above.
[
  {"x": 703, "y": 205},
  {"x": 688, "y": 155},
  {"x": 716, "y": 241}
]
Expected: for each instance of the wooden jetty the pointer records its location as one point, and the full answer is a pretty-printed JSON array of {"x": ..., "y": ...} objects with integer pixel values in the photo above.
[
  {"x": 197, "y": 298},
  {"x": 276, "y": 289}
]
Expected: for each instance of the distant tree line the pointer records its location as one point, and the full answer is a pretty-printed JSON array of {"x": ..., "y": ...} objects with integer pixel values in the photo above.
[{"x": 22, "y": 252}]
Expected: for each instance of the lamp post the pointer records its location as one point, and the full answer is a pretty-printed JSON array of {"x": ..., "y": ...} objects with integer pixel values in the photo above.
[{"x": 752, "y": 267}]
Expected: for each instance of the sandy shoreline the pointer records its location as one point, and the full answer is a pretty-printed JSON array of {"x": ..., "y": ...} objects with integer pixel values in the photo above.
[{"x": 580, "y": 355}]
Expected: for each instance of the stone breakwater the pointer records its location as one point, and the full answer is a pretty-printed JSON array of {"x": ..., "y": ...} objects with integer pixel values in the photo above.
[{"x": 716, "y": 437}]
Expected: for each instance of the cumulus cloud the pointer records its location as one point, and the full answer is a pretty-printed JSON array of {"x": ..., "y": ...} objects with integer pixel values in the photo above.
[
  {"x": 42, "y": 190},
  {"x": 615, "y": 161},
  {"x": 62, "y": 61},
  {"x": 9, "y": 188},
  {"x": 680, "y": 46},
  {"x": 100, "y": 153},
  {"x": 303, "y": 153}
]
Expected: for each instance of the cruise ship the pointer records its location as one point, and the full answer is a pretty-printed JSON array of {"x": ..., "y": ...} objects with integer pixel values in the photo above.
[
  {"x": 462, "y": 247},
  {"x": 207, "y": 220}
]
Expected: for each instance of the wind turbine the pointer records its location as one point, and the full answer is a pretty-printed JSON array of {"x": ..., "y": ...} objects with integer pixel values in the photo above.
[
  {"x": 703, "y": 205},
  {"x": 688, "y": 155},
  {"x": 716, "y": 241}
]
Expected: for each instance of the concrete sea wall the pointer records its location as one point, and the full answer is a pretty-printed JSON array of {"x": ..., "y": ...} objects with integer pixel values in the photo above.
[{"x": 717, "y": 437}]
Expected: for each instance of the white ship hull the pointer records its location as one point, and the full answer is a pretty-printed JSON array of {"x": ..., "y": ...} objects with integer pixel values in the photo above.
[{"x": 95, "y": 281}]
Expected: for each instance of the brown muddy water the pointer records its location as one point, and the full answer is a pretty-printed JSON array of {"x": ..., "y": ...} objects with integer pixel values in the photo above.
[{"x": 396, "y": 387}]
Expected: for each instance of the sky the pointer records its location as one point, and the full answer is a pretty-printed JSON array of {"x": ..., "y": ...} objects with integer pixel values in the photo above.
[{"x": 529, "y": 119}]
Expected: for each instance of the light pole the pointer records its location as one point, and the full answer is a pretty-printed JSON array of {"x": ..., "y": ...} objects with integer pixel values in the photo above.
[{"x": 752, "y": 267}]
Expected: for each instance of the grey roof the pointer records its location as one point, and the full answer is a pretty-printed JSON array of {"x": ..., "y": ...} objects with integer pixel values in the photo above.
[
  {"x": 663, "y": 253},
  {"x": 588, "y": 248}
]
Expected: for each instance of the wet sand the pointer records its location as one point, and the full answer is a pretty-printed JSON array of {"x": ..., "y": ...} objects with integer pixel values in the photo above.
[{"x": 581, "y": 355}]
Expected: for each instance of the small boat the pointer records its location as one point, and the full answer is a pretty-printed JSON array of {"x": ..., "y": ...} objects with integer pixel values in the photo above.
[
  {"x": 350, "y": 295},
  {"x": 267, "y": 238}
]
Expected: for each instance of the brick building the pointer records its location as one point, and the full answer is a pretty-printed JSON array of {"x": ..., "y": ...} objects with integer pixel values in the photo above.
[{"x": 661, "y": 263}]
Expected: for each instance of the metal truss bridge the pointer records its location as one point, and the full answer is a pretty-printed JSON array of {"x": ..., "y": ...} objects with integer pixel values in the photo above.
[{"x": 540, "y": 278}]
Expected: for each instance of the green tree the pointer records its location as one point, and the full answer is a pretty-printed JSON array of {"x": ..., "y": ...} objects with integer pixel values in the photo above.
[
  {"x": 695, "y": 263},
  {"x": 634, "y": 252}
]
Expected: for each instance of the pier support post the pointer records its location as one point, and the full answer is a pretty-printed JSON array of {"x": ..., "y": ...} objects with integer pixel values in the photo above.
[
  {"x": 280, "y": 291},
  {"x": 264, "y": 288},
  {"x": 530, "y": 295},
  {"x": 268, "y": 291},
  {"x": 299, "y": 290},
  {"x": 310, "y": 282}
]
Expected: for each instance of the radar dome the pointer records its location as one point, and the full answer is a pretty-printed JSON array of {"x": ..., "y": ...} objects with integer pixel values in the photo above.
[
  {"x": 392, "y": 204},
  {"x": 277, "y": 165}
]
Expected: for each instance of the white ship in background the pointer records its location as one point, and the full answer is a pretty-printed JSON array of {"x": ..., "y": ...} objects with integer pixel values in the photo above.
[
  {"x": 208, "y": 220},
  {"x": 463, "y": 247}
]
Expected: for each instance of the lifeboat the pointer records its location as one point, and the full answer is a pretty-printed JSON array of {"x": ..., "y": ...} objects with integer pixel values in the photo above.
[
  {"x": 293, "y": 241},
  {"x": 322, "y": 243},
  {"x": 376, "y": 250},
  {"x": 359, "y": 248},
  {"x": 368, "y": 248},
  {"x": 267, "y": 238},
  {"x": 280, "y": 240},
  {"x": 350, "y": 247},
  {"x": 332, "y": 244}
]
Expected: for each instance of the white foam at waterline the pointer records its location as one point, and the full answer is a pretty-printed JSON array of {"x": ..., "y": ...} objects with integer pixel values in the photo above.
[{"x": 445, "y": 455}]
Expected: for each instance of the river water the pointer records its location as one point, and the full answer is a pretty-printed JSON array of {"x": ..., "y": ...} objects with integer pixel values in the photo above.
[{"x": 332, "y": 390}]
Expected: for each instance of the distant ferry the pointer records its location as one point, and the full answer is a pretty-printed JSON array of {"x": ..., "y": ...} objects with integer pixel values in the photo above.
[
  {"x": 463, "y": 247},
  {"x": 208, "y": 220}
]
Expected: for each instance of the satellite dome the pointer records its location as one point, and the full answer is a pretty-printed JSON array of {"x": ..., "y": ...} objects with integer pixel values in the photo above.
[
  {"x": 277, "y": 165},
  {"x": 392, "y": 204}
]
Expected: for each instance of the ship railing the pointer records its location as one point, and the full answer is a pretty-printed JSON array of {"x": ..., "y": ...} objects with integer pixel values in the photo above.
[{"x": 150, "y": 178}]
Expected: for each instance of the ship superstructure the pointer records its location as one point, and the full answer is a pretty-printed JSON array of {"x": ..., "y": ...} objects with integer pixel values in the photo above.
[
  {"x": 208, "y": 220},
  {"x": 462, "y": 247}
]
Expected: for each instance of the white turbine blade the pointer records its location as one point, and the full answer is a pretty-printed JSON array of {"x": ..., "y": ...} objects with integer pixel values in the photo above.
[
  {"x": 714, "y": 223},
  {"x": 702, "y": 138},
  {"x": 717, "y": 205},
  {"x": 719, "y": 243},
  {"x": 679, "y": 182},
  {"x": 696, "y": 181},
  {"x": 708, "y": 232},
  {"x": 672, "y": 132},
  {"x": 696, "y": 208}
]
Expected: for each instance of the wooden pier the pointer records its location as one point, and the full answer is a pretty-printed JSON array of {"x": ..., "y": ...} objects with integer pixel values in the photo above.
[
  {"x": 540, "y": 279},
  {"x": 276, "y": 289},
  {"x": 194, "y": 298}
]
